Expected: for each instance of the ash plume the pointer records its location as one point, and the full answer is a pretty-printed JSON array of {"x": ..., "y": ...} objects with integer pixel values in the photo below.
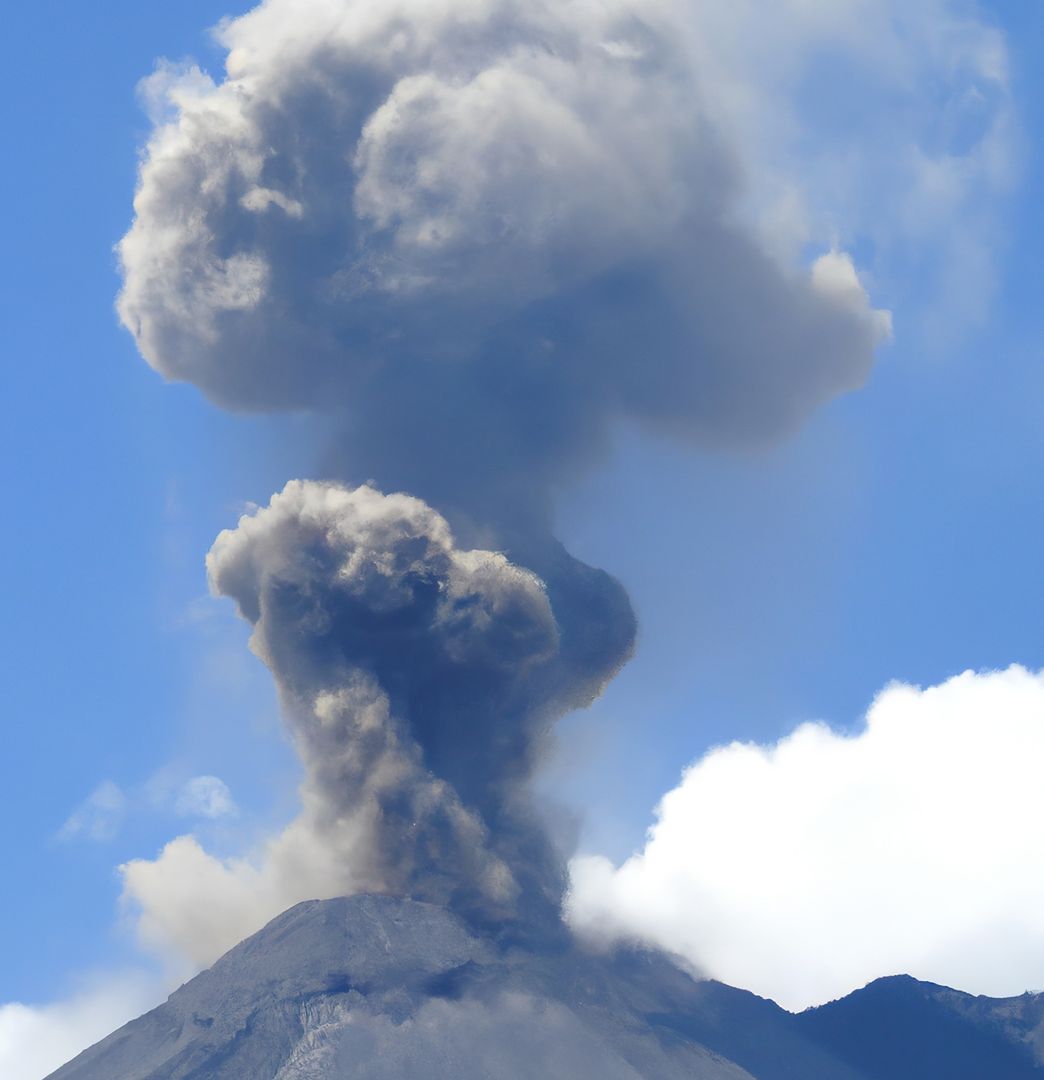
[
  {"x": 420, "y": 682},
  {"x": 479, "y": 234},
  {"x": 473, "y": 238}
]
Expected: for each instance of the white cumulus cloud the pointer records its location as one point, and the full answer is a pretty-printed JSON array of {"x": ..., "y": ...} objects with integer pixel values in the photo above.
[
  {"x": 805, "y": 869},
  {"x": 99, "y": 816},
  {"x": 37, "y": 1039}
]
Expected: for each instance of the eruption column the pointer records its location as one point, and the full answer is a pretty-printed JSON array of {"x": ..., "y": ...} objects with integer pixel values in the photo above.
[{"x": 473, "y": 238}]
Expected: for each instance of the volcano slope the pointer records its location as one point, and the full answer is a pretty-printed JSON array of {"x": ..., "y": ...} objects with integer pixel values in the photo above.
[{"x": 376, "y": 987}]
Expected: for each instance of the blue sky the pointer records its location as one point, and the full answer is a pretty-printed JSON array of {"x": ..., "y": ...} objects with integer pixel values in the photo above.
[{"x": 895, "y": 537}]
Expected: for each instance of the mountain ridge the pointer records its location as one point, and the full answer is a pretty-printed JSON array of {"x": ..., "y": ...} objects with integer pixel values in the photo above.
[{"x": 382, "y": 988}]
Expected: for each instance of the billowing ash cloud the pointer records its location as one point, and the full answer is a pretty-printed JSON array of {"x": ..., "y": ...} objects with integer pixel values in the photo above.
[
  {"x": 481, "y": 232},
  {"x": 420, "y": 680},
  {"x": 474, "y": 237}
]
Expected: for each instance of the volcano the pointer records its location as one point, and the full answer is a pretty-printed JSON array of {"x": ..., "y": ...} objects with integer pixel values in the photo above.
[{"x": 376, "y": 987}]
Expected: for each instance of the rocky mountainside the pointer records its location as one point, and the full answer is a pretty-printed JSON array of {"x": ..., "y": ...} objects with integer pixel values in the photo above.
[
  {"x": 908, "y": 1030},
  {"x": 377, "y": 988}
]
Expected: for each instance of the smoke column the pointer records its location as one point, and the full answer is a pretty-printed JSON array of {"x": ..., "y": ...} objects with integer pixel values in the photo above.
[
  {"x": 420, "y": 682},
  {"x": 473, "y": 238}
]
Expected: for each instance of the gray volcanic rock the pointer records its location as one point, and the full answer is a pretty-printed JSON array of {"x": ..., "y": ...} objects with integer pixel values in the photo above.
[{"x": 380, "y": 988}]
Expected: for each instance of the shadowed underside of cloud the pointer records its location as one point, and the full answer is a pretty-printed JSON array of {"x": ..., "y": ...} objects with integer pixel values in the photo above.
[{"x": 805, "y": 869}]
